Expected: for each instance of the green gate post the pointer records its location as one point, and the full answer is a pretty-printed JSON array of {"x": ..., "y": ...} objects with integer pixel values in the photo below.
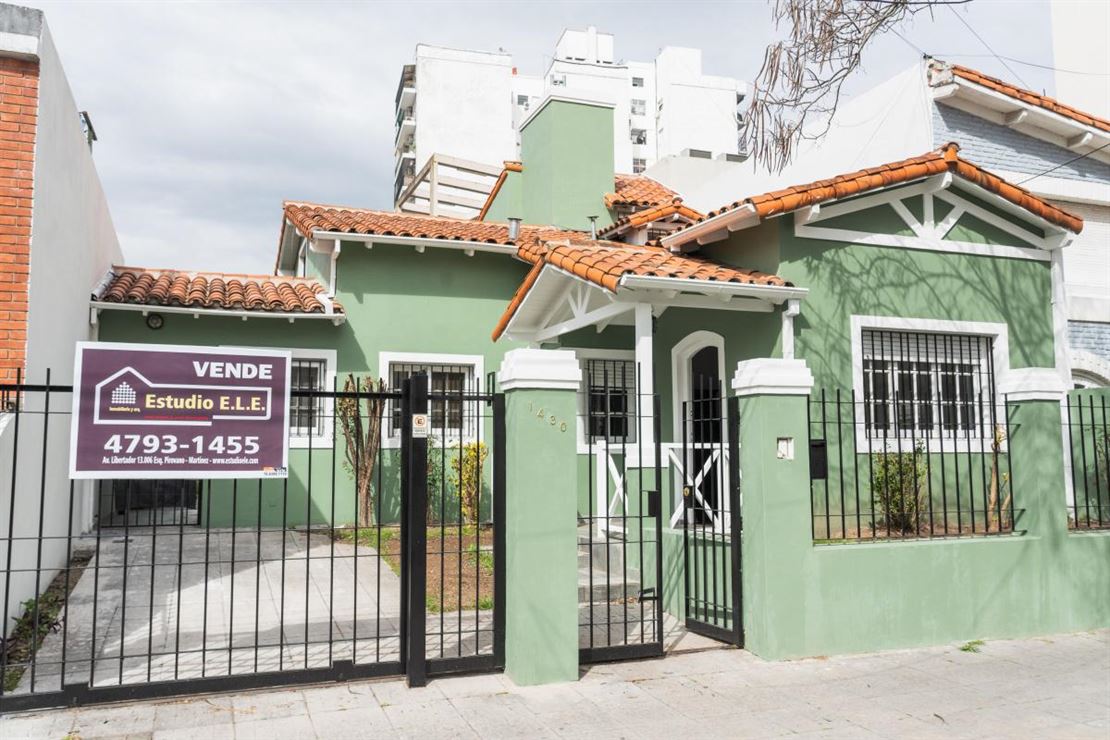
[
  {"x": 774, "y": 463},
  {"x": 541, "y": 515}
]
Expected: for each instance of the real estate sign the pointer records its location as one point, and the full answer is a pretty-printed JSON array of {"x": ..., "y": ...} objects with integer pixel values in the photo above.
[{"x": 161, "y": 411}]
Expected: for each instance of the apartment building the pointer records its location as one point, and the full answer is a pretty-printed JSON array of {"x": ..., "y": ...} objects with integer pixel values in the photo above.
[{"x": 459, "y": 113}]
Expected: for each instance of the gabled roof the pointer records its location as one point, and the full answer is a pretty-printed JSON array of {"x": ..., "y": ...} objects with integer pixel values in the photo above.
[
  {"x": 652, "y": 213},
  {"x": 1026, "y": 96},
  {"x": 945, "y": 159},
  {"x": 604, "y": 263},
  {"x": 638, "y": 190},
  {"x": 215, "y": 291},
  {"x": 309, "y": 218}
]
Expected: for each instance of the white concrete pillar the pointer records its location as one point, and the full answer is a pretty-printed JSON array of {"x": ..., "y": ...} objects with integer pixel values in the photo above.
[{"x": 644, "y": 350}]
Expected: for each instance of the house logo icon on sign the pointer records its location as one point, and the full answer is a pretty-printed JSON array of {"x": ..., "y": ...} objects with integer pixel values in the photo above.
[{"x": 123, "y": 395}]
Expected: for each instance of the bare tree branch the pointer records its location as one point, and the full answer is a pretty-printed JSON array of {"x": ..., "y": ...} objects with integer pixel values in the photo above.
[{"x": 799, "y": 86}]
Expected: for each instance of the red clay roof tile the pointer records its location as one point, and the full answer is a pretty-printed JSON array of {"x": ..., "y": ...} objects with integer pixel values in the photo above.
[
  {"x": 945, "y": 159},
  {"x": 637, "y": 190},
  {"x": 207, "y": 290}
]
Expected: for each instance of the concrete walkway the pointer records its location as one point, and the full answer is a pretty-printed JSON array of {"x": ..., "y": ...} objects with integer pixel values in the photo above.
[{"x": 1053, "y": 687}]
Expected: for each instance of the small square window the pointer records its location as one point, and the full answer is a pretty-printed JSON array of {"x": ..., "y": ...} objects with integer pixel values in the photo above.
[
  {"x": 638, "y": 165},
  {"x": 639, "y": 107},
  {"x": 637, "y": 82},
  {"x": 306, "y": 412},
  {"x": 638, "y": 136}
]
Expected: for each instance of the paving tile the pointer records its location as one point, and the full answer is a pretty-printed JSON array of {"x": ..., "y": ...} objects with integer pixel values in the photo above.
[
  {"x": 295, "y": 728},
  {"x": 366, "y": 722}
]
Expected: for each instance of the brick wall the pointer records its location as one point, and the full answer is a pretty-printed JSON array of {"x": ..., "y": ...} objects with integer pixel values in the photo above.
[
  {"x": 19, "y": 81},
  {"x": 999, "y": 148},
  {"x": 1091, "y": 336}
]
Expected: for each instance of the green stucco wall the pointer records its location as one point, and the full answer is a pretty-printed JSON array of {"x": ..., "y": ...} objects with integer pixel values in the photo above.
[
  {"x": 507, "y": 204},
  {"x": 567, "y": 150}
]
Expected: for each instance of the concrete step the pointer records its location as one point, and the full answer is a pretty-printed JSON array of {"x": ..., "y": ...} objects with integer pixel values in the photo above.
[{"x": 620, "y": 585}]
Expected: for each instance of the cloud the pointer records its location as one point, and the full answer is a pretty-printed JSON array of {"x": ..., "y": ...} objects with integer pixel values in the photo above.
[{"x": 210, "y": 115}]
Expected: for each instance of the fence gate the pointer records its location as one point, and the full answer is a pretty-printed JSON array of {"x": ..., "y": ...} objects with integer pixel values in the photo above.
[
  {"x": 711, "y": 521},
  {"x": 157, "y": 588}
]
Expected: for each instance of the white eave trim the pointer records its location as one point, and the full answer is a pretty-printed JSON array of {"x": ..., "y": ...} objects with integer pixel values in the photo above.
[
  {"x": 146, "y": 308},
  {"x": 714, "y": 228},
  {"x": 417, "y": 241},
  {"x": 774, "y": 293}
]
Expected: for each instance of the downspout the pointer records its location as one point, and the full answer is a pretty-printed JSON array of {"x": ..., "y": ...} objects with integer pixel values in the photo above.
[
  {"x": 334, "y": 277},
  {"x": 793, "y": 308}
]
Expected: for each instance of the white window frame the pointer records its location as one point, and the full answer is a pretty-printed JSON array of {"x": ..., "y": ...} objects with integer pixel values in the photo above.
[
  {"x": 386, "y": 359},
  {"x": 329, "y": 356},
  {"x": 632, "y": 107},
  {"x": 997, "y": 333},
  {"x": 582, "y": 401}
]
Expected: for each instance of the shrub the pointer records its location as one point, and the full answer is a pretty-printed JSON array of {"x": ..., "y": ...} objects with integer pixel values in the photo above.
[
  {"x": 465, "y": 475},
  {"x": 898, "y": 484}
]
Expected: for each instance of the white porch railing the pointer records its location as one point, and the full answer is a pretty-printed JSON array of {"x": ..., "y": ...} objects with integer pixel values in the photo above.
[{"x": 611, "y": 482}]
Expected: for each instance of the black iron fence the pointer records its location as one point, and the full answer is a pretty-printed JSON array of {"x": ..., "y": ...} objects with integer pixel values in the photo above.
[
  {"x": 620, "y": 603},
  {"x": 921, "y": 470},
  {"x": 1088, "y": 440},
  {"x": 378, "y": 555}
]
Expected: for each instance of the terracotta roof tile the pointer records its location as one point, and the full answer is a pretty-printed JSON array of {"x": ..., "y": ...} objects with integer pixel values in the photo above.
[
  {"x": 945, "y": 159},
  {"x": 647, "y": 215},
  {"x": 1032, "y": 98},
  {"x": 207, "y": 290},
  {"x": 637, "y": 190},
  {"x": 604, "y": 263},
  {"x": 311, "y": 217}
]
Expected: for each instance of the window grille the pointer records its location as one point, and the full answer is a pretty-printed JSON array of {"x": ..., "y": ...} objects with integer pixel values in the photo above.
[
  {"x": 918, "y": 384},
  {"x": 444, "y": 380},
  {"x": 638, "y": 136},
  {"x": 611, "y": 400},
  {"x": 638, "y": 165},
  {"x": 307, "y": 417}
]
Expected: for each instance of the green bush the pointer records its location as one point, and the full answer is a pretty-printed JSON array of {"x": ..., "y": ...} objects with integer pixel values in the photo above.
[{"x": 898, "y": 484}]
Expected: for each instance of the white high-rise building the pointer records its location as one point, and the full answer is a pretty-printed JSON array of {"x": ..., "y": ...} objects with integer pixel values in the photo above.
[{"x": 458, "y": 113}]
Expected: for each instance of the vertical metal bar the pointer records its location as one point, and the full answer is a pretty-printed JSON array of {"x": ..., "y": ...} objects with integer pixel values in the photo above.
[
  {"x": 840, "y": 466},
  {"x": 852, "y": 432},
  {"x": 736, "y": 518},
  {"x": 356, "y": 402},
  {"x": 657, "y": 633},
  {"x": 626, "y": 494},
  {"x": 590, "y": 493},
  {"x": 378, "y": 521},
  {"x": 126, "y": 559},
  {"x": 1009, "y": 466},
  {"x": 153, "y": 575},
  {"x": 96, "y": 589},
  {"x": 638, "y": 394},
  {"x": 605, "y": 512},
  {"x": 331, "y": 525},
  {"x": 258, "y": 567},
  {"x": 65, "y": 602},
  {"x": 178, "y": 585},
  {"x": 499, "y": 531},
  {"x": 825, "y": 439},
  {"x": 1102, "y": 503},
  {"x": 479, "y": 475},
  {"x": 284, "y": 545},
  {"x": 38, "y": 541},
  {"x": 416, "y": 469},
  {"x": 231, "y": 616},
  {"x": 1083, "y": 454},
  {"x": 687, "y": 494},
  {"x": 11, "y": 518},
  {"x": 207, "y": 557},
  {"x": 307, "y": 546},
  {"x": 462, "y": 530}
]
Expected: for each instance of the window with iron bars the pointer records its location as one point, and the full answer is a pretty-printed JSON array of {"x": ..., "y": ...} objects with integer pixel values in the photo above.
[
  {"x": 611, "y": 400},
  {"x": 920, "y": 384},
  {"x": 307, "y": 416},
  {"x": 446, "y": 413}
]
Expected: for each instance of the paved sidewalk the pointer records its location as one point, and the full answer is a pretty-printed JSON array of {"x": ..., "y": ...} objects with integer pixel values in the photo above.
[{"x": 1056, "y": 687}]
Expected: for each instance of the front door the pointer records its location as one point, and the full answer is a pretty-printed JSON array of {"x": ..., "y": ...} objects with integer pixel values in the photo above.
[{"x": 711, "y": 503}]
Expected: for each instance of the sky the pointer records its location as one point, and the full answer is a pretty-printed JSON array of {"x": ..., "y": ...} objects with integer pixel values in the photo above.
[{"x": 209, "y": 115}]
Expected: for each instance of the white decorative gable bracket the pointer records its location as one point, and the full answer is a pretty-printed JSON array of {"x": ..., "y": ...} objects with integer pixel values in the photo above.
[{"x": 928, "y": 233}]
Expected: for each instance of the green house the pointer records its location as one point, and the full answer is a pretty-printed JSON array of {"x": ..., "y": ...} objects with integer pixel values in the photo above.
[{"x": 908, "y": 305}]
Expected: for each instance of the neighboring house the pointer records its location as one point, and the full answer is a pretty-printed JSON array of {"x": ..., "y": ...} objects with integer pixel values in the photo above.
[
  {"x": 58, "y": 241},
  {"x": 928, "y": 278},
  {"x": 1054, "y": 150},
  {"x": 466, "y": 108}
]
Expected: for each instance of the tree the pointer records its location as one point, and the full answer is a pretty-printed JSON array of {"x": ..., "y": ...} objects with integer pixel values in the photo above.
[
  {"x": 798, "y": 87},
  {"x": 360, "y": 412}
]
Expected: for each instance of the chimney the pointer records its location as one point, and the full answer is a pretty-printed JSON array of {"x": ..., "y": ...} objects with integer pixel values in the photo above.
[
  {"x": 593, "y": 227},
  {"x": 514, "y": 229}
]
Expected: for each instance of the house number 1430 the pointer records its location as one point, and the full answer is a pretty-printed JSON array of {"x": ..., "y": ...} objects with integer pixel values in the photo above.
[{"x": 549, "y": 418}]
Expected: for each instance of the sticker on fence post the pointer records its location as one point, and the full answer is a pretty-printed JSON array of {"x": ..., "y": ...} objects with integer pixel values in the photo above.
[
  {"x": 419, "y": 426},
  {"x": 166, "y": 411}
]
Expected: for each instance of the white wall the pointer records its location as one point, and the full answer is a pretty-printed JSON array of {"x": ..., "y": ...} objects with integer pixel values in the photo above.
[
  {"x": 1079, "y": 44},
  {"x": 73, "y": 243},
  {"x": 698, "y": 111},
  {"x": 464, "y": 105}
]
